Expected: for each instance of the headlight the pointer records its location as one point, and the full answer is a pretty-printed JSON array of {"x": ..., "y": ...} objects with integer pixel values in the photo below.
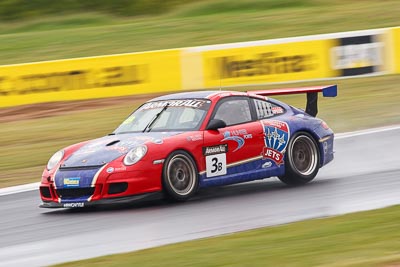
[
  {"x": 55, "y": 159},
  {"x": 135, "y": 154}
]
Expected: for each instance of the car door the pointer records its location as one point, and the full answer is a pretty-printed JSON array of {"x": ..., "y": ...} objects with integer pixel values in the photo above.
[{"x": 234, "y": 153}]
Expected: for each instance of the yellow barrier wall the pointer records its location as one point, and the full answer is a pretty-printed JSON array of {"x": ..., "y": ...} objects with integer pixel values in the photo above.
[
  {"x": 87, "y": 78},
  {"x": 268, "y": 63},
  {"x": 396, "y": 48},
  {"x": 367, "y": 52}
]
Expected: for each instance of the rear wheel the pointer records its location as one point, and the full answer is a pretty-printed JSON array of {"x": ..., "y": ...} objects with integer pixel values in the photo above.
[
  {"x": 180, "y": 176},
  {"x": 302, "y": 160}
]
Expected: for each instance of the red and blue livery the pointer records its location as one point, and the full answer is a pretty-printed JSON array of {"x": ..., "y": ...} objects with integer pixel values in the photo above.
[{"x": 179, "y": 143}]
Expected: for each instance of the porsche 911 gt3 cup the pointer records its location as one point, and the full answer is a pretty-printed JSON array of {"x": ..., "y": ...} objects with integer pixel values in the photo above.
[{"x": 180, "y": 143}]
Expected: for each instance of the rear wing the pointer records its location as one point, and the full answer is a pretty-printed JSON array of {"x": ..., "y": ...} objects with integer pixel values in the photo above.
[{"x": 312, "y": 95}]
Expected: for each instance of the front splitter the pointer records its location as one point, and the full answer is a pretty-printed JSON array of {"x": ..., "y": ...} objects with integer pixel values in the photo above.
[{"x": 105, "y": 201}]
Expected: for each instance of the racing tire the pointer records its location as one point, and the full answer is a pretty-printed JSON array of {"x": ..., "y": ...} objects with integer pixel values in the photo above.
[
  {"x": 302, "y": 160},
  {"x": 180, "y": 176}
]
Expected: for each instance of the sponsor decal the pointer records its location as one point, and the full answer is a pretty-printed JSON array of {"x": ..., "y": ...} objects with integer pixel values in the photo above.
[
  {"x": 325, "y": 145},
  {"x": 238, "y": 136},
  {"x": 266, "y": 165},
  {"x": 269, "y": 63},
  {"x": 134, "y": 141},
  {"x": 119, "y": 149},
  {"x": 324, "y": 125},
  {"x": 357, "y": 55},
  {"x": 196, "y": 137},
  {"x": 72, "y": 182},
  {"x": 191, "y": 103},
  {"x": 270, "y": 153},
  {"x": 74, "y": 79},
  {"x": 277, "y": 110},
  {"x": 158, "y": 161},
  {"x": 212, "y": 150},
  {"x": 116, "y": 169},
  {"x": 74, "y": 205},
  {"x": 276, "y": 140}
]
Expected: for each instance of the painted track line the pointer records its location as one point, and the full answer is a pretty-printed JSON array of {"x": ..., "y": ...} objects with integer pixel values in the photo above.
[
  {"x": 19, "y": 189},
  {"x": 34, "y": 186},
  {"x": 366, "y": 132}
]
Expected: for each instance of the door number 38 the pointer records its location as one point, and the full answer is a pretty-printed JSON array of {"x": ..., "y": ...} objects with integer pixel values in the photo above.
[{"x": 216, "y": 165}]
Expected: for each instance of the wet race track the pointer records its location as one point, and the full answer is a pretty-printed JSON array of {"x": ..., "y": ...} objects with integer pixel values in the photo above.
[{"x": 364, "y": 175}]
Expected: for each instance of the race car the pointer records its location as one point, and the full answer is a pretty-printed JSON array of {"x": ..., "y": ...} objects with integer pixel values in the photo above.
[{"x": 177, "y": 144}]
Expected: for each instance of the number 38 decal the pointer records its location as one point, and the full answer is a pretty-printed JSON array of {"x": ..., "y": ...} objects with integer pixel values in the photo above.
[{"x": 216, "y": 165}]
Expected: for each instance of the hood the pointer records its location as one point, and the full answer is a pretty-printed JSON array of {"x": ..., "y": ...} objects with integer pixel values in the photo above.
[{"x": 100, "y": 151}]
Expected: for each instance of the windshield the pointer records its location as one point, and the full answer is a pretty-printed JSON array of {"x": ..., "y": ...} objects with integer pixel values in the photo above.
[{"x": 166, "y": 115}]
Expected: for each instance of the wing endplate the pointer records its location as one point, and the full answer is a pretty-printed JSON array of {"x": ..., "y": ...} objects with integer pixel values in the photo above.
[{"x": 312, "y": 94}]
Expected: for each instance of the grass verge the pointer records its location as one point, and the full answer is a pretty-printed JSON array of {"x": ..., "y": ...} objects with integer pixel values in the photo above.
[
  {"x": 201, "y": 23},
  {"x": 358, "y": 240}
]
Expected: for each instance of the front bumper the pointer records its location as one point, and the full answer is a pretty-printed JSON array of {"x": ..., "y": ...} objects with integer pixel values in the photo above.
[
  {"x": 109, "y": 184},
  {"x": 105, "y": 201}
]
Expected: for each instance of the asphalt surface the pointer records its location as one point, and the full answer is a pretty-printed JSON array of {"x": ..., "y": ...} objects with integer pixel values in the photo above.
[{"x": 365, "y": 175}]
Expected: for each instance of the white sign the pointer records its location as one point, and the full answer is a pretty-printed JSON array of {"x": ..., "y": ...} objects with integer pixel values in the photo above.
[
  {"x": 216, "y": 165},
  {"x": 357, "y": 56}
]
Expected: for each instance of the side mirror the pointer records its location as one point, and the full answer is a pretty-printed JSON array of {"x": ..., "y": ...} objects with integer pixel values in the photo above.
[{"x": 215, "y": 124}]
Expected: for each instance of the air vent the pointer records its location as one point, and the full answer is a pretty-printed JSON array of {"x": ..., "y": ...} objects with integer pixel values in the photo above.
[
  {"x": 113, "y": 143},
  {"x": 45, "y": 191},
  {"x": 116, "y": 188},
  {"x": 70, "y": 193}
]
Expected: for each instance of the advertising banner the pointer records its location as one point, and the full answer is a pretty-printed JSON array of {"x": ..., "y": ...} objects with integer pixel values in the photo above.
[
  {"x": 269, "y": 63},
  {"x": 360, "y": 53},
  {"x": 87, "y": 78}
]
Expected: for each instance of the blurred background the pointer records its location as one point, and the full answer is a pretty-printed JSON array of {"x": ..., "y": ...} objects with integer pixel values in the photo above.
[
  {"x": 73, "y": 70},
  {"x": 36, "y": 120}
]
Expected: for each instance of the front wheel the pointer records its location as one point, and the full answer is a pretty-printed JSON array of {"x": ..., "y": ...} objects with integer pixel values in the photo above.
[
  {"x": 180, "y": 176},
  {"x": 302, "y": 160}
]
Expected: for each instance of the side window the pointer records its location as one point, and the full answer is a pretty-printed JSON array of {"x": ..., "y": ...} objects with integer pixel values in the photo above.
[
  {"x": 233, "y": 111},
  {"x": 265, "y": 109}
]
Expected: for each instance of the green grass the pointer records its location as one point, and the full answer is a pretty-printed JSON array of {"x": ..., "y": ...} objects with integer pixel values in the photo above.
[
  {"x": 57, "y": 23},
  {"x": 358, "y": 240},
  {"x": 205, "y": 22}
]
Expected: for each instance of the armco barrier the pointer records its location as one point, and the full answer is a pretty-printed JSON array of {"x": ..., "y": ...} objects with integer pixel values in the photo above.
[
  {"x": 87, "y": 78},
  {"x": 367, "y": 52}
]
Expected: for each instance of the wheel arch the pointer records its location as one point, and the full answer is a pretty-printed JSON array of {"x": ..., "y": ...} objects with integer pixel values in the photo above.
[
  {"x": 179, "y": 150},
  {"x": 187, "y": 151},
  {"x": 316, "y": 139}
]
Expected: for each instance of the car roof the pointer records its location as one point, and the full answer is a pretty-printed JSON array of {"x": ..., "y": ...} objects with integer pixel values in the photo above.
[{"x": 198, "y": 94}]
